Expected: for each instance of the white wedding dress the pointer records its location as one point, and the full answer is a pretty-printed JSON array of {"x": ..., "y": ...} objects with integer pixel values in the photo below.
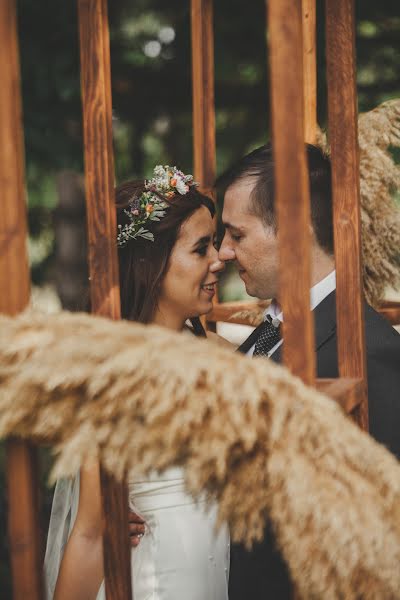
[{"x": 180, "y": 557}]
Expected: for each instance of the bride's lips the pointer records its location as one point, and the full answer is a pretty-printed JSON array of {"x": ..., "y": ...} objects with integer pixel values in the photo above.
[{"x": 209, "y": 288}]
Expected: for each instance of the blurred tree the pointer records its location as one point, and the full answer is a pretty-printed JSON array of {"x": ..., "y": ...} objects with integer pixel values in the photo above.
[{"x": 151, "y": 74}]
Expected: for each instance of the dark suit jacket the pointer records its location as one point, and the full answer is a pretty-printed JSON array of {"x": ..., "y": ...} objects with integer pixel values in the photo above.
[{"x": 262, "y": 572}]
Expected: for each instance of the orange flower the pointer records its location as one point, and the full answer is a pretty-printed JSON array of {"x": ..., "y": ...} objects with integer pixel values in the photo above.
[
  {"x": 173, "y": 182},
  {"x": 149, "y": 208}
]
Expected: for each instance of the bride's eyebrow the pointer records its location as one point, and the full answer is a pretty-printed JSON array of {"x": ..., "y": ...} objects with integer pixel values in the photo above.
[{"x": 206, "y": 239}]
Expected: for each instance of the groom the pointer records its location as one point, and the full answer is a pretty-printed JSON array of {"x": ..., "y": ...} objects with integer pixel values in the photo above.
[{"x": 250, "y": 242}]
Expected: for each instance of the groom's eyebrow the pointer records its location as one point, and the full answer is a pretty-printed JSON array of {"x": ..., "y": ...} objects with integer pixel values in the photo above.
[{"x": 230, "y": 227}]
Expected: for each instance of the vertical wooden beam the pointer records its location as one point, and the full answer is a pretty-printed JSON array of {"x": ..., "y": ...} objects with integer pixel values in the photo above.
[
  {"x": 103, "y": 264},
  {"x": 291, "y": 184},
  {"x": 23, "y": 520},
  {"x": 343, "y": 136},
  {"x": 22, "y": 481},
  {"x": 14, "y": 269},
  {"x": 203, "y": 94},
  {"x": 99, "y": 162},
  {"x": 309, "y": 70},
  {"x": 204, "y": 145}
]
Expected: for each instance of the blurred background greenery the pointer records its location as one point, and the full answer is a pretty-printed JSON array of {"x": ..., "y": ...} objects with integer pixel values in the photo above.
[{"x": 152, "y": 121}]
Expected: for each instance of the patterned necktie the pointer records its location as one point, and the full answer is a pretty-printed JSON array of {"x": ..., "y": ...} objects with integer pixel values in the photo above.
[{"x": 269, "y": 336}]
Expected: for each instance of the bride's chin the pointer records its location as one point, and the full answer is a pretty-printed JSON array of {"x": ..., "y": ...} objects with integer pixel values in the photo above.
[
  {"x": 204, "y": 311},
  {"x": 208, "y": 309}
]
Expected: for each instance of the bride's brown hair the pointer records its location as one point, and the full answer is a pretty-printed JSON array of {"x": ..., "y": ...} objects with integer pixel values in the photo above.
[{"x": 143, "y": 263}]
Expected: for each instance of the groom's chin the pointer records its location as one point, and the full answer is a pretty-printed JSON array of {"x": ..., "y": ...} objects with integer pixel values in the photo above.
[{"x": 250, "y": 290}]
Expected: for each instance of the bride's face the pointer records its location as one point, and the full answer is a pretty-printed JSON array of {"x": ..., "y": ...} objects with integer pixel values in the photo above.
[{"x": 190, "y": 282}]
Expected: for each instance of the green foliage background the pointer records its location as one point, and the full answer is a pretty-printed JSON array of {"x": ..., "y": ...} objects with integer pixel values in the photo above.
[{"x": 152, "y": 96}]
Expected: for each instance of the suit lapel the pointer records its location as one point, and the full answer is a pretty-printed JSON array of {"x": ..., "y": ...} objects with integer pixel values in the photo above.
[{"x": 325, "y": 320}]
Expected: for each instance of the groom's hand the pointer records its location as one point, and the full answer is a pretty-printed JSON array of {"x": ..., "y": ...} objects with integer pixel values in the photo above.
[{"x": 136, "y": 528}]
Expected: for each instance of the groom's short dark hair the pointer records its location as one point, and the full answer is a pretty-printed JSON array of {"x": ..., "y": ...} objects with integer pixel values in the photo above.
[{"x": 260, "y": 165}]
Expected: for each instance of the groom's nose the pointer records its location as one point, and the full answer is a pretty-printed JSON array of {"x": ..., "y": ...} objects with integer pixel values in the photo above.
[{"x": 226, "y": 252}]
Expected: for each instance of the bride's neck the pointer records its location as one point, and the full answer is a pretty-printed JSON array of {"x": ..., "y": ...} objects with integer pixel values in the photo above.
[{"x": 168, "y": 319}]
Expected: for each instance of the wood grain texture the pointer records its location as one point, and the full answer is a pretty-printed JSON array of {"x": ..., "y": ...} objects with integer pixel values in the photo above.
[
  {"x": 391, "y": 311},
  {"x": 224, "y": 312},
  {"x": 24, "y": 520},
  {"x": 309, "y": 20},
  {"x": 343, "y": 137},
  {"x": 203, "y": 106},
  {"x": 291, "y": 179},
  {"x": 103, "y": 264},
  {"x": 116, "y": 536},
  {"x": 22, "y": 481},
  {"x": 345, "y": 390},
  {"x": 99, "y": 163},
  {"x": 14, "y": 270},
  {"x": 204, "y": 148}
]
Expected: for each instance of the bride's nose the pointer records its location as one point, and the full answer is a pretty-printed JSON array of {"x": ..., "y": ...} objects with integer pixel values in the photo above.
[{"x": 216, "y": 266}]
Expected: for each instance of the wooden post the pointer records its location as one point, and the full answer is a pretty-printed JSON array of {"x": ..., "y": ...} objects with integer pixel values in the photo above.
[
  {"x": 103, "y": 264},
  {"x": 203, "y": 94},
  {"x": 291, "y": 184},
  {"x": 309, "y": 70},
  {"x": 204, "y": 146},
  {"x": 14, "y": 269},
  {"x": 342, "y": 108},
  {"x": 23, "y": 520},
  {"x": 22, "y": 481}
]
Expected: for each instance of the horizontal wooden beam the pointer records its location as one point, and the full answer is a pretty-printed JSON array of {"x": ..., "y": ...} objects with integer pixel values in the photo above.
[
  {"x": 391, "y": 311},
  {"x": 347, "y": 391},
  {"x": 229, "y": 311},
  {"x": 392, "y": 314}
]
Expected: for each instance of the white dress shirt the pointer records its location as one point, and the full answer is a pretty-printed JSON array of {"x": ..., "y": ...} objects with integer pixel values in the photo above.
[{"x": 318, "y": 292}]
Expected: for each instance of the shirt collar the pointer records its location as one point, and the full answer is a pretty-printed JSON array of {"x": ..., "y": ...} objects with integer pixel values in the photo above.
[{"x": 318, "y": 292}]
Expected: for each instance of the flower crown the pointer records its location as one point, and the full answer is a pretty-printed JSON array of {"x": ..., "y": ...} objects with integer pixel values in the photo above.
[{"x": 150, "y": 205}]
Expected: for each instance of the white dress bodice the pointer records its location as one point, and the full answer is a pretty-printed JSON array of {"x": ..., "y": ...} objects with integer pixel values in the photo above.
[{"x": 181, "y": 556}]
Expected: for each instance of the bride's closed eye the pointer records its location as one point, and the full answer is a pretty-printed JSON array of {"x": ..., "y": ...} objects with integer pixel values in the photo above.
[
  {"x": 202, "y": 250},
  {"x": 203, "y": 245}
]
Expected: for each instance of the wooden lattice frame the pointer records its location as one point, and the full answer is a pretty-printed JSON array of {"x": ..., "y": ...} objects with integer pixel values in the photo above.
[{"x": 293, "y": 67}]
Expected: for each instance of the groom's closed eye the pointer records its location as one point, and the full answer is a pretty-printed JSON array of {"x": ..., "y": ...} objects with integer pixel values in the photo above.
[
  {"x": 235, "y": 233},
  {"x": 201, "y": 247}
]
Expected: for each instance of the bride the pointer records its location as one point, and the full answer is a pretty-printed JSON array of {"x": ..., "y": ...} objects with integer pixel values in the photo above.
[{"x": 168, "y": 269}]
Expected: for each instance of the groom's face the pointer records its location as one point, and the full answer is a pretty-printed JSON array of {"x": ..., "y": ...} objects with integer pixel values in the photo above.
[{"x": 249, "y": 243}]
